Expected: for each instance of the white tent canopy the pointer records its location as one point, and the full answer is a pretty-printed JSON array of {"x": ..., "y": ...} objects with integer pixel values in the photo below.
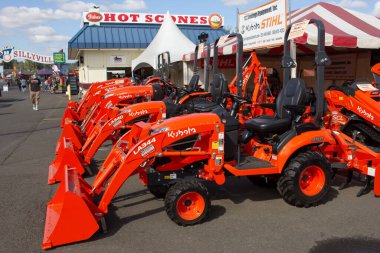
[{"x": 168, "y": 38}]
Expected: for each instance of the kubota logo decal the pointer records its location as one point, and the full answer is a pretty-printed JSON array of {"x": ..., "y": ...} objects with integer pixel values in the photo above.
[
  {"x": 179, "y": 132},
  {"x": 116, "y": 121},
  {"x": 137, "y": 113},
  {"x": 146, "y": 147},
  {"x": 109, "y": 104},
  {"x": 111, "y": 88},
  {"x": 365, "y": 113},
  {"x": 125, "y": 96}
]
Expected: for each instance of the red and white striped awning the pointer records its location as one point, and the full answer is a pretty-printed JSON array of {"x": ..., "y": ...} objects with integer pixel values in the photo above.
[{"x": 344, "y": 28}]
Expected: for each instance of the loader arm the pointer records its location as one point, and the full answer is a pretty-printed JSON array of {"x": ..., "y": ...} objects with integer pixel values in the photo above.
[
  {"x": 124, "y": 120},
  {"x": 125, "y": 95},
  {"x": 76, "y": 112},
  {"x": 361, "y": 104}
]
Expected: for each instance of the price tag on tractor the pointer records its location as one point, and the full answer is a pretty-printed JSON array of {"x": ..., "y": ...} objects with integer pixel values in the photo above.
[
  {"x": 298, "y": 29},
  {"x": 366, "y": 87}
]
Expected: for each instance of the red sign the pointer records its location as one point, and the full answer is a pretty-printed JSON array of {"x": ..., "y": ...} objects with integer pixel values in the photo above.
[
  {"x": 94, "y": 16},
  {"x": 214, "y": 20}
]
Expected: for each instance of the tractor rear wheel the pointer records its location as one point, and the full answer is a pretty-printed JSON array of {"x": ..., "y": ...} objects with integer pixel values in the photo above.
[
  {"x": 306, "y": 179},
  {"x": 187, "y": 202}
]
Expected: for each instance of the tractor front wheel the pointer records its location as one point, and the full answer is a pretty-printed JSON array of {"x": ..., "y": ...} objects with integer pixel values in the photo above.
[
  {"x": 306, "y": 179},
  {"x": 187, "y": 202}
]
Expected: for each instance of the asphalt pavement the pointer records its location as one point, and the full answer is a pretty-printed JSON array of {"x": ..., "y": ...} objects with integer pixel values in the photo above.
[{"x": 244, "y": 217}]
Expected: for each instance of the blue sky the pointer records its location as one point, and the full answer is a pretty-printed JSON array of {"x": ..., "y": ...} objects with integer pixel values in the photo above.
[{"x": 45, "y": 26}]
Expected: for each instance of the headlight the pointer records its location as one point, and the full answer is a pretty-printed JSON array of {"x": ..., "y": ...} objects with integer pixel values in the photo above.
[{"x": 159, "y": 130}]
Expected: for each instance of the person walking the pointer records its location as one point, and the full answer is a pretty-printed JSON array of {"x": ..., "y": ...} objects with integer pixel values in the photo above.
[
  {"x": 19, "y": 84},
  {"x": 34, "y": 88},
  {"x": 23, "y": 84}
]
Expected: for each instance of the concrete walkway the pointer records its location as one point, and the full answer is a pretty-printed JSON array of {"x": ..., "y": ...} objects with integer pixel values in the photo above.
[{"x": 244, "y": 217}]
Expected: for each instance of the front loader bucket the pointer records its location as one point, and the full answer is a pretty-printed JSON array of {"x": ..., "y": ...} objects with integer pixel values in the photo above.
[
  {"x": 66, "y": 157},
  {"x": 70, "y": 215},
  {"x": 71, "y": 132}
]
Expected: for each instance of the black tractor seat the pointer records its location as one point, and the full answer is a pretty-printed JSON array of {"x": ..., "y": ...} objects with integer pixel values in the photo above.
[
  {"x": 267, "y": 124},
  {"x": 193, "y": 84},
  {"x": 294, "y": 93},
  {"x": 218, "y": 87}
]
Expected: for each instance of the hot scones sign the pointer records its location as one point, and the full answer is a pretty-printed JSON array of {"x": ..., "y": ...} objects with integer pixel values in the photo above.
[{"x": 96, "y": 18}]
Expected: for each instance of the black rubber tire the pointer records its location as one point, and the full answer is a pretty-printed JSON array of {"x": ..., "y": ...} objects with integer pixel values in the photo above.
[
  {"x": 264, "y": 181},
  {"x": 179, "y": 189},
  {"x": 158, "y": 191},
  {"x": 288, "y": 184},
  {"x": 372, "y": 137}
]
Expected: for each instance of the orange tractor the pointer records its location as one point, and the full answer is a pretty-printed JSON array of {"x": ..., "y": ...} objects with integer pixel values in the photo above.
[
  {"x": 356, "y": 111},
  {"x": 180, "y": 102},
  {"x": 181, "y": 153},
  {"x": 358, "y": 108}
]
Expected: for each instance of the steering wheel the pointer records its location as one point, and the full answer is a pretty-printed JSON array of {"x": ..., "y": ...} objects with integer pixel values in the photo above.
[
  {"x": 335, "y": 87},
  {"x": 237, "y": 98},
  {"x": 179, "y": 89}
]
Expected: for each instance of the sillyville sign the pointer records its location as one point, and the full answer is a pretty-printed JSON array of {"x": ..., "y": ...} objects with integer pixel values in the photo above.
[
  {"x": 96, "y": 18},
  {"x": 8, "y": 53}
]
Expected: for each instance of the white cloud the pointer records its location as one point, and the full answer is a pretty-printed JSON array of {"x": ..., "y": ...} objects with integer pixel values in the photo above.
[
  {"x": 41, "y": 30},
  {"x": 42, "y": 34},
  {"x": 376, "y": 10},
  {"x": 130, "y": 5},
  {"x": 234, "y": 2},
  {"x": 13, "y": 17},
  {"x": 353, "y": 4}
]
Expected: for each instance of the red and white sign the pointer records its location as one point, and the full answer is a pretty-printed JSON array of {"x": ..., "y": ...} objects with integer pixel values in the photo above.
[
  {"x": 214, "y": 20},
  {"x": 264, "y": 26}
]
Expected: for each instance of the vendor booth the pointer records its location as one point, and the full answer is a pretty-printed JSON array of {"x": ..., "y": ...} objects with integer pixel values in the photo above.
[{"x": 352, "y": 40}]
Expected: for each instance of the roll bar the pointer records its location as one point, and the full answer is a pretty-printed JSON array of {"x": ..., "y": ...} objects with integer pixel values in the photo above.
[
  {"x": 321, "y": 60},
  {"x": 162, "y": 64},
  {"x": 207, "y": 66}
]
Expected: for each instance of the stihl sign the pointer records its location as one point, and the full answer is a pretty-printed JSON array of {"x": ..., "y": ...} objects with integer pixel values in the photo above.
[{"x": 214, "y": 20}]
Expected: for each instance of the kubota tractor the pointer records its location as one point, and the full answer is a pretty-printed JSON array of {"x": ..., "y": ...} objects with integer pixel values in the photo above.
[{"x": 357, "y": 106}]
